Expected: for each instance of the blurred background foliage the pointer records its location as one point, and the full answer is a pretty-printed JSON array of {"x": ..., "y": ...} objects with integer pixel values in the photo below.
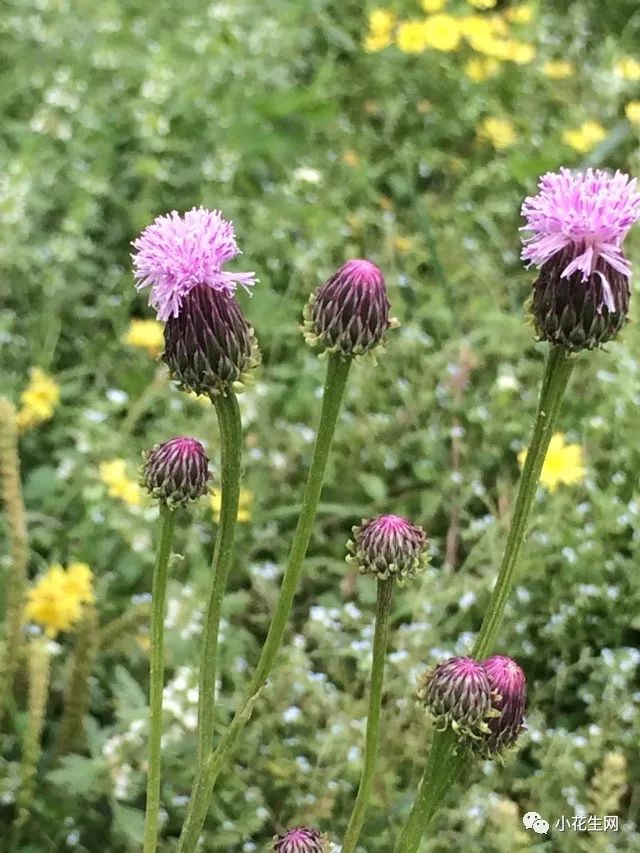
[{"x": 322, "y": 146}]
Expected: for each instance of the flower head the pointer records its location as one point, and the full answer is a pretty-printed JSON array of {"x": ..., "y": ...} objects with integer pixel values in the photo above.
[
  {"x": 176, "y": 471},
  {"x": 38, "y": 400},
  {"x": 458, "y": 693},
  {"x": 145, "y": 334},
  {"x": 575, "y": 228},
  {"x": 499, "y": 132},
  {"x": 113, "y": 473},
  {"x": 55, "y": 601},
  {"x": 585, "y": 137},
  {"x": 509, "y": 698},
  {"x": 349, "y": 313},
  {"x": 177, "y": 253},
  {"x": 388, "y": 546},
  {"x": 300, "y": 839},
  {"x": 563, "y": 464}
]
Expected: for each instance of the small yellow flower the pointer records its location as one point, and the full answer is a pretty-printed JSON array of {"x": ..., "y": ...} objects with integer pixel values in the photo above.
[
  {"x": 244, "y": 505},
  {"x": 479, "y": 68},
  {"x": 519, "y": 14},
  {"x": 585, "y": 137},
  {"x": 145, "y": 334},
  {"x": 350, "y": 158},
  {"x": 482, "y": 4},
  {"x": 520, "y": 52},
  {"x": 402, "y": 244},
  {"x": 79, "y": 582},
  {"x": 442, "y": 32},
  {"x": 628, "y": 68},
  {"x": 39, "y": 400},
  {"x": 411, "y": 37},
  {"x": 558, "y": 69},
  {"x": 632, "y": 112},
  {"x": 499, "y": 132},
  {"x": 564, "y": 463},
  {"x": 376, "y": 41},
  {"x": 55, "y": 601},
  {"x": 381, "y": 21},
  {"x": 113, "y": 474},
  {"x": 433, "y": 5}
]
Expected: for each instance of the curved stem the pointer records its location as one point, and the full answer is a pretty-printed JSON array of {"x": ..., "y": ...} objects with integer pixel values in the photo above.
[
  {"x": 381, "y": 636},
  {"x": 444, "y": 762},
  {"x": 159, "y": 595},
  {"x": 231, "y": 467},
  {"x": 337, "y": 372}
]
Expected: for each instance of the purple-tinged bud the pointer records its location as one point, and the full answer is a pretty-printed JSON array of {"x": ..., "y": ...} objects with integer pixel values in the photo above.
[
  {"x": 209, "y": 346},
  {"x": 388, "y": 546},
  {"x": 458, "y": 693},
  {"x": 349, "y": 314},
  {"x": 176, "y": 471},
  {"x": 300, "y": 839},
  {"x": 509, "y": 698}
]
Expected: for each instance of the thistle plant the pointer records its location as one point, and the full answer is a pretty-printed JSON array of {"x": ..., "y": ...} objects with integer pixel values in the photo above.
[
  {"x": 300, "y": 839},
  {"x": 342, "y": 326},
  {"x": 575, "y": 227}
]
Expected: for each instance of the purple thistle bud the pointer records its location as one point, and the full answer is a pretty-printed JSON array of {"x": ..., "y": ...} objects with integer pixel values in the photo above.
[
  {"x": 209, "y": 346},
  {"x": 458, "y": 693},
  {"x": 300, "y": 839},
  {"x": 176, "y": 471},
  {"x": 388, "y": 546},
  {"x": 349, "y": 314},
  {"x": 510, "y": 695},
  {"x": 576, "y": 225}
]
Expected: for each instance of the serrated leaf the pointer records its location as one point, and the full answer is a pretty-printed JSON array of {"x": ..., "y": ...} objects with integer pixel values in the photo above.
[
  {"x": 128, "y": 823},
  {"x": 79, "y": 776},
  {"x": 127, "y": 692}
]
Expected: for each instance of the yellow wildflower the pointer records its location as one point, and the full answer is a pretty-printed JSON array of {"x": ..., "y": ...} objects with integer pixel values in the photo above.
[
  {"x": 55, "y": 601},
  {"x": 433, "y": 5},
  {"x": 558, "y": 69},
  {"x": 632, "y": 112},
  {"x": 520, "y": 52},
  {"x": 350, "y": 158},
  {"x": 628, "y": 68},
  {"x": 39, "y": 400},
  {"x": 376, "y": 41},
  {"x": 401, "y": 243},
  {"x": 411, "y": 37},
  {"x": 200, "y": 398},
  {"x": 482, "y": 4},
  {"x": 244, "y": 505},
  {"x": 442, "y": 32},
  {"x": 145, "y": 334},
  {"x": 114, "y": 474},
  {"x": 585, "y": 137},
  {"x": 479, "y": 68},
  {"x": 481, "y": 35},
  {"x": 381, "y": 21},
  {"x": 499, "y": 132},
  {"x": 564, "y": 463},
  {"x": 519, "y": 14}
]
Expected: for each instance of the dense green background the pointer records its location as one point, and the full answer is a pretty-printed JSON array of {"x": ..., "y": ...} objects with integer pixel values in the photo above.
[{"x": 114, "y": 113}]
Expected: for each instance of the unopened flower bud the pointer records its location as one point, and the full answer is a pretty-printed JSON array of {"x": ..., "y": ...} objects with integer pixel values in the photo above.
[
  {"x": 509, "y": 698},
  {"x": 388, "y": 546},
  {"x": 349, "y": 314},
  {"x": 301, "y": 839},
  {"x": 176, "y": 471}
]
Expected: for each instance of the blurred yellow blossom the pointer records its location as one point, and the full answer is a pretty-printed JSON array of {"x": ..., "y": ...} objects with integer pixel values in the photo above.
[
  {"x": 585, "y": 137},
  {"x": 519, "y": 14},
  {"x": 433, "y": 5},
  {"x": 55, "y": 601},
  {"x": 628, "y": 68},
  {"x": 442, "y": 32},
  {"x": 381, "y": 20},
  {"x": 411, "y": 37},
  {"x": 145, "y": 334},
  {"x": 482, "y": 4},
  {"x": 632, "y": 112},
  {"x": 480, "y": 68},
  {"x": 350, "y": 158},
  {"x": 564, "y": 463},
  {"x": 558, "y": 69},
  {"x": 244, "y": 505},
  {"x": 500, "y": 132},
  {"x": 520, "y": 52},
  {"x": 200, "y": 398},
  {"x": 113, "y": 473},
  {"x": 374, "y": 42},
  {"x": 401, "y": 243},
  {"x": 38, "y": 400}
]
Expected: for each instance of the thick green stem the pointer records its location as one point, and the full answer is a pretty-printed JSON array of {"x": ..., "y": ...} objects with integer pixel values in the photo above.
[
  {"x": 231, "y": 465},
  {"x": 337, "y": 372},
  {"x": 158, "y": 605},
  {"x": 381, "y": 636},
  {"x": 443, "y": 765}
]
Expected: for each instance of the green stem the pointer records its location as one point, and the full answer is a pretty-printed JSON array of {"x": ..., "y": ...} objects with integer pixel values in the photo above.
[
  {"x": 158, "y": 602},
  {"x": 231, "y": 468},
  {"x": 444, "y": 763},
  {"x": 381, "y": 636},
  {"x": 337, "y": 372}
]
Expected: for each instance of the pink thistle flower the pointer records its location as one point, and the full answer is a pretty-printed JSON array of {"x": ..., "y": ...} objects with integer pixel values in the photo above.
[
  {"x": 300, "y": 839},
  {"x": 510, "y": 685},
  {"x": 388, "y": 546},
  {"x": 176, "y": 471},
  {"x": 177, "y": 253}
]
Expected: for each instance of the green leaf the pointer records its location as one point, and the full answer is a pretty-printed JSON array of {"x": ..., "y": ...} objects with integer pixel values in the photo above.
[
  {"x": 79, "y": 776},
  {"x": 128, "y": 693},
  {"x": 128, "y": 823},
  {"x": 374, "y": 486}
]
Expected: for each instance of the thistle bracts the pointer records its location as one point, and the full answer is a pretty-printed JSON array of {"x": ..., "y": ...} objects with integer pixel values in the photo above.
[
  {"x": 176, "y": 471},
  {"x": 349, "y": 313},
  {"x": 388, "y": 546},
  {"x": 300, "y": 839},
  {"x": 509, "y": 699}
]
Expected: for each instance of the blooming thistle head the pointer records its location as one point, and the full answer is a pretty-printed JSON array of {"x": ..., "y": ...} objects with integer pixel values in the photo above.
[
  {"x": 509, "y": 698},
  {"x": 575, "y": 228},
  {"x": 388, "y": 546},
  {"x": 209, "y": 346},
  {"x": 458, "y": 693},
  {"x": 300, "y": 839},
  {"x": 176, "y": 471},
  {"x": 349, "y": 313}
]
